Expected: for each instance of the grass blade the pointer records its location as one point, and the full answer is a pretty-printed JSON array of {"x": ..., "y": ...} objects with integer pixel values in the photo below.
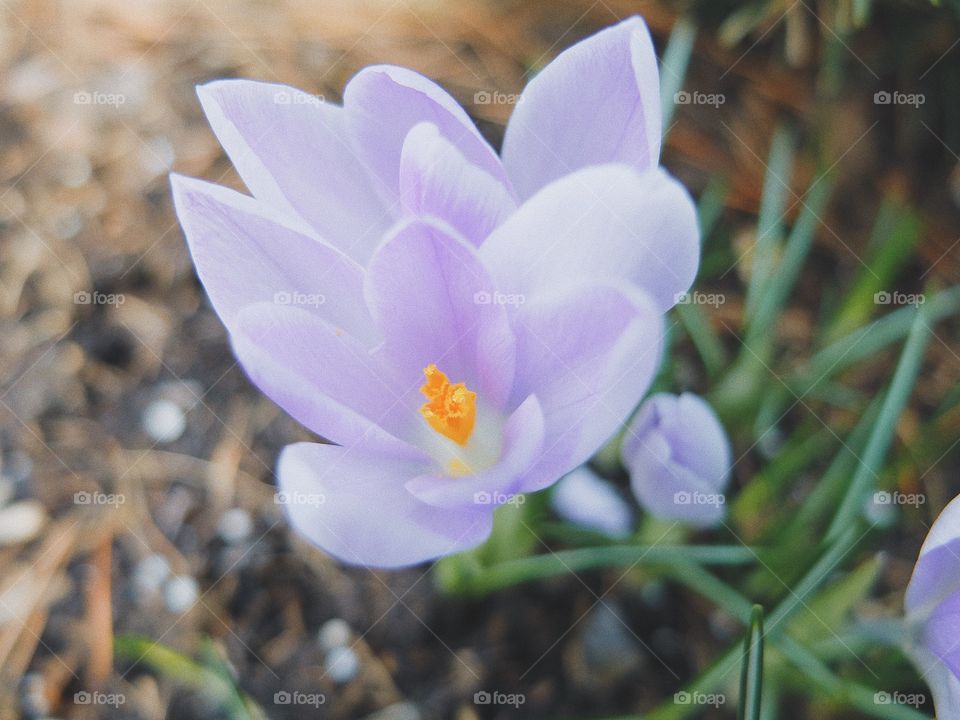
[
  {"x": 880, "y": 438},
  {"x": 673, "y": 67},
  {"x": 751, "y": 676}
]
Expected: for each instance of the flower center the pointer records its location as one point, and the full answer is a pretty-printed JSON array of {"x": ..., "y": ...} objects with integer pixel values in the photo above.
[{"x": 451, "y": 410}]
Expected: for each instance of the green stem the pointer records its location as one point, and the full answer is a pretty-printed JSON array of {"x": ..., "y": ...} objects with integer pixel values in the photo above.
[{"x": 537, "y": 567}]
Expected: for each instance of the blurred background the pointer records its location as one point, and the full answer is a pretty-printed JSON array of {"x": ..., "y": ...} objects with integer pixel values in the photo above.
[{"x": 145, "y": 570}]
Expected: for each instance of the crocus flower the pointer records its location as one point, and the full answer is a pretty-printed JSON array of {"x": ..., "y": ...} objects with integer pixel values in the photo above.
[
  {"x": 678, "y": 457},
  {"x": 932, "y": 606},
  {"x": 586, "y": 499},
  {"x": 462, "y": 325}
]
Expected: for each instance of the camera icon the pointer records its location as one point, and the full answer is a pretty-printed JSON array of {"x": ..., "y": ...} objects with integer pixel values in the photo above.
[
  {"x": 482, "y": 297},
  {"x": 882, "y": 498},
  {"x": 82, "y": 297},
  {"x": 882, "y": 698},
  {"x": 281, "y": 498},
  {"x": 882, "y": 97},
  {"x": 482, "y": 498},
  {"x": 282, "y": 298},
  {"x": 881, "y": 298},
  {"x": 681, "y": 498},
  {"x": 682, "y": 299},
  {"x": 682, "y": 698},
  {"x": 681, "y": 97},
  {"x": 282, "y": 698},
  {"x": 82, "y": 497},
  {"x": 482, "y": 97},
  {"x": 281, "y": 97},
  {"x": 82, "y": 97},
  {"x": 482, "y": 697}
]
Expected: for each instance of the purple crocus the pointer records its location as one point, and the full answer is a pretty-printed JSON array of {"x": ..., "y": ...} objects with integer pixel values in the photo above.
[
  {"x": 462, "y": 325},
  {"x": 678, "y": 457},
  {"x": 586, "y": 499},
  {"x": 932, "y": 606}
]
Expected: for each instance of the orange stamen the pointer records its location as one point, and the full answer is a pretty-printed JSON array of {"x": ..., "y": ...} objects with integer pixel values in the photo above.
[{"x": 450, "y": 409}]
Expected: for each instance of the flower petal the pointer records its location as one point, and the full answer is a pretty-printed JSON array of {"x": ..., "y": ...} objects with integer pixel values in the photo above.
[
  {"x": 597, "y": 102},
  {"x": 696, "y": 439},
  {"x": 245, "y": 253},
  {"x": 384, "y": 102},
  {"x": 937, "y": 572},
  {"x": 293, "y": 153},
  {"x": 600, "y": 223},
  {"x": 585, "y": 499},
  {"x": 944, "y": 685},
  {"x": 431, "y": 297},
  {"x": 523, "y": 437},
  {"x": 589, "y": 355},
  {"x": 436, "y": 179},
  {"x": 668, "y": 489},
  {"x": 323, "y": 377},
  {"x": 942, "y": 633},
  {"x": 362, "y": 514}
]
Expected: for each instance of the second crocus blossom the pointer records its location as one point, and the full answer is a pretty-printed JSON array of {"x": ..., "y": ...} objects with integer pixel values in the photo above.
[
  {"x": 586, "y": 499},
  {"x": 678, "y": 457},
  {"x": 462, "y": 326},
  {"x": 932, "y": 606}
]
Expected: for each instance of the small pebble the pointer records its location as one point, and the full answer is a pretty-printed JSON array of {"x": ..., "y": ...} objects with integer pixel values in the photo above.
[
  {"x": 75, "y": 170},
  {"x": 341, "y": 665},
  {"x": 235, "y": 526},
  {"x": 33, "y": 694},
  {"x": 180, "y": 593},
  {"x": 397, "y": 711},
  {"x": 880, "y": 513},
  {"x": 150, "y": 574},
  {"x": 334, "y": 634},
  {"x": 164, "y": 421},
  {"x": 20, "y": 522}
]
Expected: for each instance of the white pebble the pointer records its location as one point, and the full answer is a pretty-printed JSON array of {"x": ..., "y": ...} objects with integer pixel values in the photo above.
[
  {"x": 397, "y": 711},
  {"x": 150, "y": 574},
  {"x": 235, "y": 526},
  {"x": 180, "y": 593},
  {"x": 164, "y": 421},
  {"x": 334, "y": 634},
  {"x": 342, "y": 665},
  {"x": 20, "y": 522},
  {"x": 34, "y": 694}
]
